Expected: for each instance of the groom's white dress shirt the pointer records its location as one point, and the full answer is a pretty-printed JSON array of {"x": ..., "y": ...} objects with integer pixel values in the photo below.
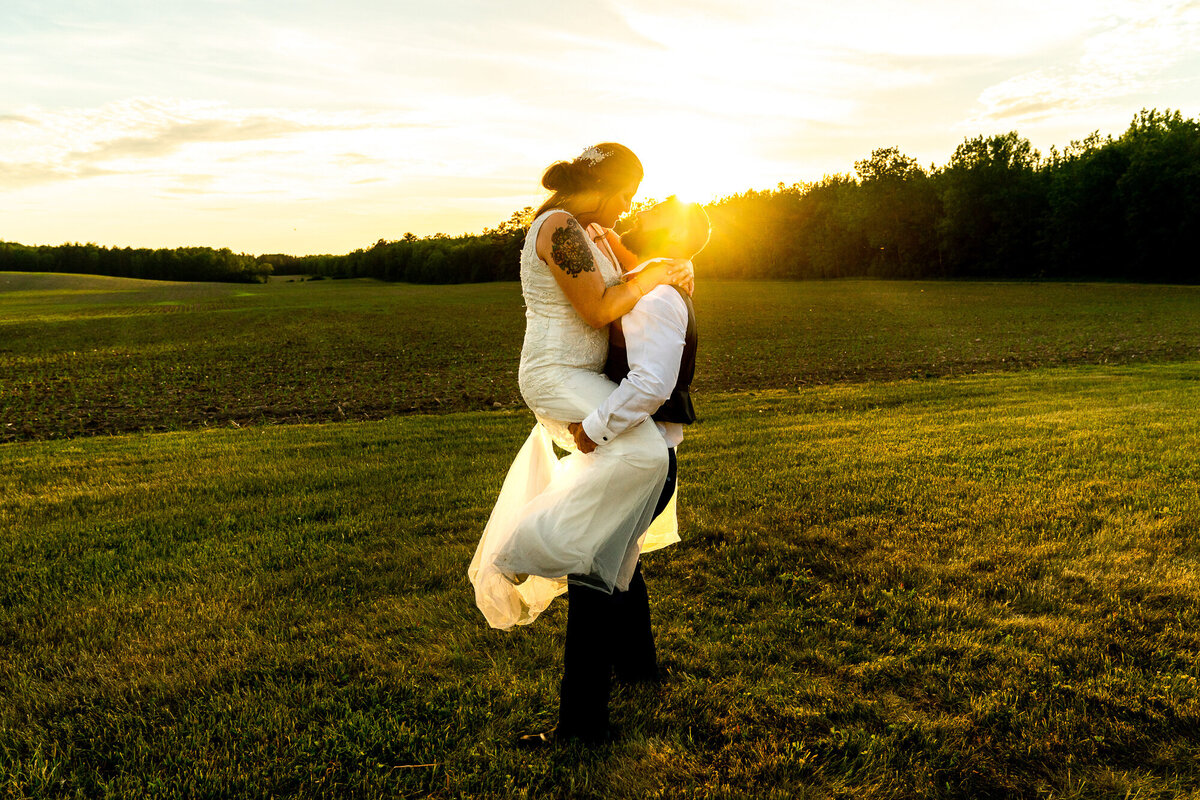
[{"x": 654, "y": 336}]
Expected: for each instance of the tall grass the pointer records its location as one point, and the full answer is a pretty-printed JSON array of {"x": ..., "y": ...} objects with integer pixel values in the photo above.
[
  {"x": 984, "y": 586},
  {"x": 82, "y": 355}
]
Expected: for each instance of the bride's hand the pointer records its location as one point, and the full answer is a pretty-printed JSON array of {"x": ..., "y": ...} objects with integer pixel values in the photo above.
[
  {"x": 686, "y": 278},
  {"x": 673, "y": 271},
  {"x": 583, "y": 442}
]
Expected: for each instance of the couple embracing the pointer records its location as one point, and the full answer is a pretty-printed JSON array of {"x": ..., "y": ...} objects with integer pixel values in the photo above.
[{"x": 609, "y": 350}]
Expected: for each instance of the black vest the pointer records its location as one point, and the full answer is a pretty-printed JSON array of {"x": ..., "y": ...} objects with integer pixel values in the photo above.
[{"x": 678, "y": 407}]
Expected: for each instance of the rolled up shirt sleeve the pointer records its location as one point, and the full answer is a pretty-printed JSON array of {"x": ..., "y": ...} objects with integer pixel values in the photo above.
[{"x": 654, "y": 336}]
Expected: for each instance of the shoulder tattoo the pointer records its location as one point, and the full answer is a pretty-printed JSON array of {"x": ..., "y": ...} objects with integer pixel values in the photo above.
[{"x": 569, "y": 249}]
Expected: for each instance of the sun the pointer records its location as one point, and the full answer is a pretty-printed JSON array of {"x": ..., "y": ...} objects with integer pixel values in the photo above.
[{"x": 694, "y": 168}]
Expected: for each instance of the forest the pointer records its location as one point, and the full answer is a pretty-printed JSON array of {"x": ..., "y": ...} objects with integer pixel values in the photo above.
[
  {"x": 177, "y": 264},
  {"x": 1103, "y": 208}
]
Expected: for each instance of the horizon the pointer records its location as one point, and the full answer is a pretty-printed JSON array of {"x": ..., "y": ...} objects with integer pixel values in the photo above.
[{"x": 302, "y": 130}]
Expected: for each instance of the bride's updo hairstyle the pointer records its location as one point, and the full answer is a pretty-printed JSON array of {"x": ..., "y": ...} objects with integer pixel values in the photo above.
[{"x": 600, "y": 171}]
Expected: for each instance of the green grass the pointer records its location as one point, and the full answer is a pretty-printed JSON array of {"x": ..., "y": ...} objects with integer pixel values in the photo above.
[
  {"x": 983, "y": 586},
  {"x": 85, "y": 355}
]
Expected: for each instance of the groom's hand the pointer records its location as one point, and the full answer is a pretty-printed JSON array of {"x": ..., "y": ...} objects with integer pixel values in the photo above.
[{"x": 582, "y": 441}]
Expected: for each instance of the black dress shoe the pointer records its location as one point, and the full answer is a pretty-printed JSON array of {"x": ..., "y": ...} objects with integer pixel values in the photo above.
[{"x": 537, "y": 741}]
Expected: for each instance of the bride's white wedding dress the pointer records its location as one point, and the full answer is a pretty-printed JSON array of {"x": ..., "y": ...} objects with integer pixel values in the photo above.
[{"x": 586, "y": 515}]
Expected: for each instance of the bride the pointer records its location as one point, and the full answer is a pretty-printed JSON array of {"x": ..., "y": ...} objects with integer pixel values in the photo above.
[{"x": 582, "y": 516}]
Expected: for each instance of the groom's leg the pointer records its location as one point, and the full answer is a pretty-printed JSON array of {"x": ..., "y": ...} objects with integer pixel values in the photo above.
[
  {"x": 634, "y": 656},
  {"x": 587, "y": 664},
  {"x": 668, "y": 489},
  {"x": 606, "y": 630}
]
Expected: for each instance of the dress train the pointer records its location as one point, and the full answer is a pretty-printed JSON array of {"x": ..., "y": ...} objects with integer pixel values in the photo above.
[{"x": 544, "y": 525}]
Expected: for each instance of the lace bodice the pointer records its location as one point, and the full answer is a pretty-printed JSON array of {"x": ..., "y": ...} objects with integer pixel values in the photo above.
[{"x": 557, "y": 340}]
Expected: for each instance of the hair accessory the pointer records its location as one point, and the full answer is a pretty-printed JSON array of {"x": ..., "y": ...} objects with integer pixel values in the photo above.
[{"x": 592, "y": 155}]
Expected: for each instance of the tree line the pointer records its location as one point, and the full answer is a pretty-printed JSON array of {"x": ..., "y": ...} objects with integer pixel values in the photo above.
[
  {"x": 1103, "y": 208},
  {"x": 175, "y": 264},
  {"x": 493, "y": 255}
]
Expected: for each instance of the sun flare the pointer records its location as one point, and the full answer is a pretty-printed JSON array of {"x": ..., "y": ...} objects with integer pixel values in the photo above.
[{"x": 690, "y": 167}]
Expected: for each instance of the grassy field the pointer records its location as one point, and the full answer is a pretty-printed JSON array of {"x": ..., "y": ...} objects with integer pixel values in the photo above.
[
  {"x": 83, "y": 355},
  {"x": 978, "y": 586}
]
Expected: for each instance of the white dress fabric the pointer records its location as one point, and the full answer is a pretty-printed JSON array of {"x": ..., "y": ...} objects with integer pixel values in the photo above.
[{"x": 582, "y": 515}]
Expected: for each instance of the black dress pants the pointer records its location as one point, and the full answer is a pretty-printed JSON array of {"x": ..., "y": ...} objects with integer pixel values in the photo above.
[{"x": 607, "y": 634}]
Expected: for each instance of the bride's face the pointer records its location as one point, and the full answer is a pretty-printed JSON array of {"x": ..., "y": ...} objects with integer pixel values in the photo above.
[{"x": 617, "y": 205}]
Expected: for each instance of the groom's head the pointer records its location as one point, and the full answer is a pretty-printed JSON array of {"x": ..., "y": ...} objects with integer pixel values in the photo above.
[{"x": 670, "y": 229}]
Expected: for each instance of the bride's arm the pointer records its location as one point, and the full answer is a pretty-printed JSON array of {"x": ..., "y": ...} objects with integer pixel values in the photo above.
[
  {"x": 625, "y": 257},
  {"x": 628, "y": 260},
  {"x": 563, "y": 245}
]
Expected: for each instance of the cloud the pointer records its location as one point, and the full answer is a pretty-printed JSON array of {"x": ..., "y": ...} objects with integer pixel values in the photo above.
[
  {"x": 140, "y": 136},
  {"x": 358, "y": 160},
  {"x": 1130, "y": 54},
  {"x": 22, "y": 175},
  {"x": 174, "y": 136},
  {"x": 18, "y": 175}
]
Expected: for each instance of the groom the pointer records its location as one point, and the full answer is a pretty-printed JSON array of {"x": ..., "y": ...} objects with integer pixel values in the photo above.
[{"x": 652, "y": 355}]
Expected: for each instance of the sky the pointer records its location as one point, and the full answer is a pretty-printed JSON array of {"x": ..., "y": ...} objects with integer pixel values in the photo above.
[{"x": 320, "y": 127}]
